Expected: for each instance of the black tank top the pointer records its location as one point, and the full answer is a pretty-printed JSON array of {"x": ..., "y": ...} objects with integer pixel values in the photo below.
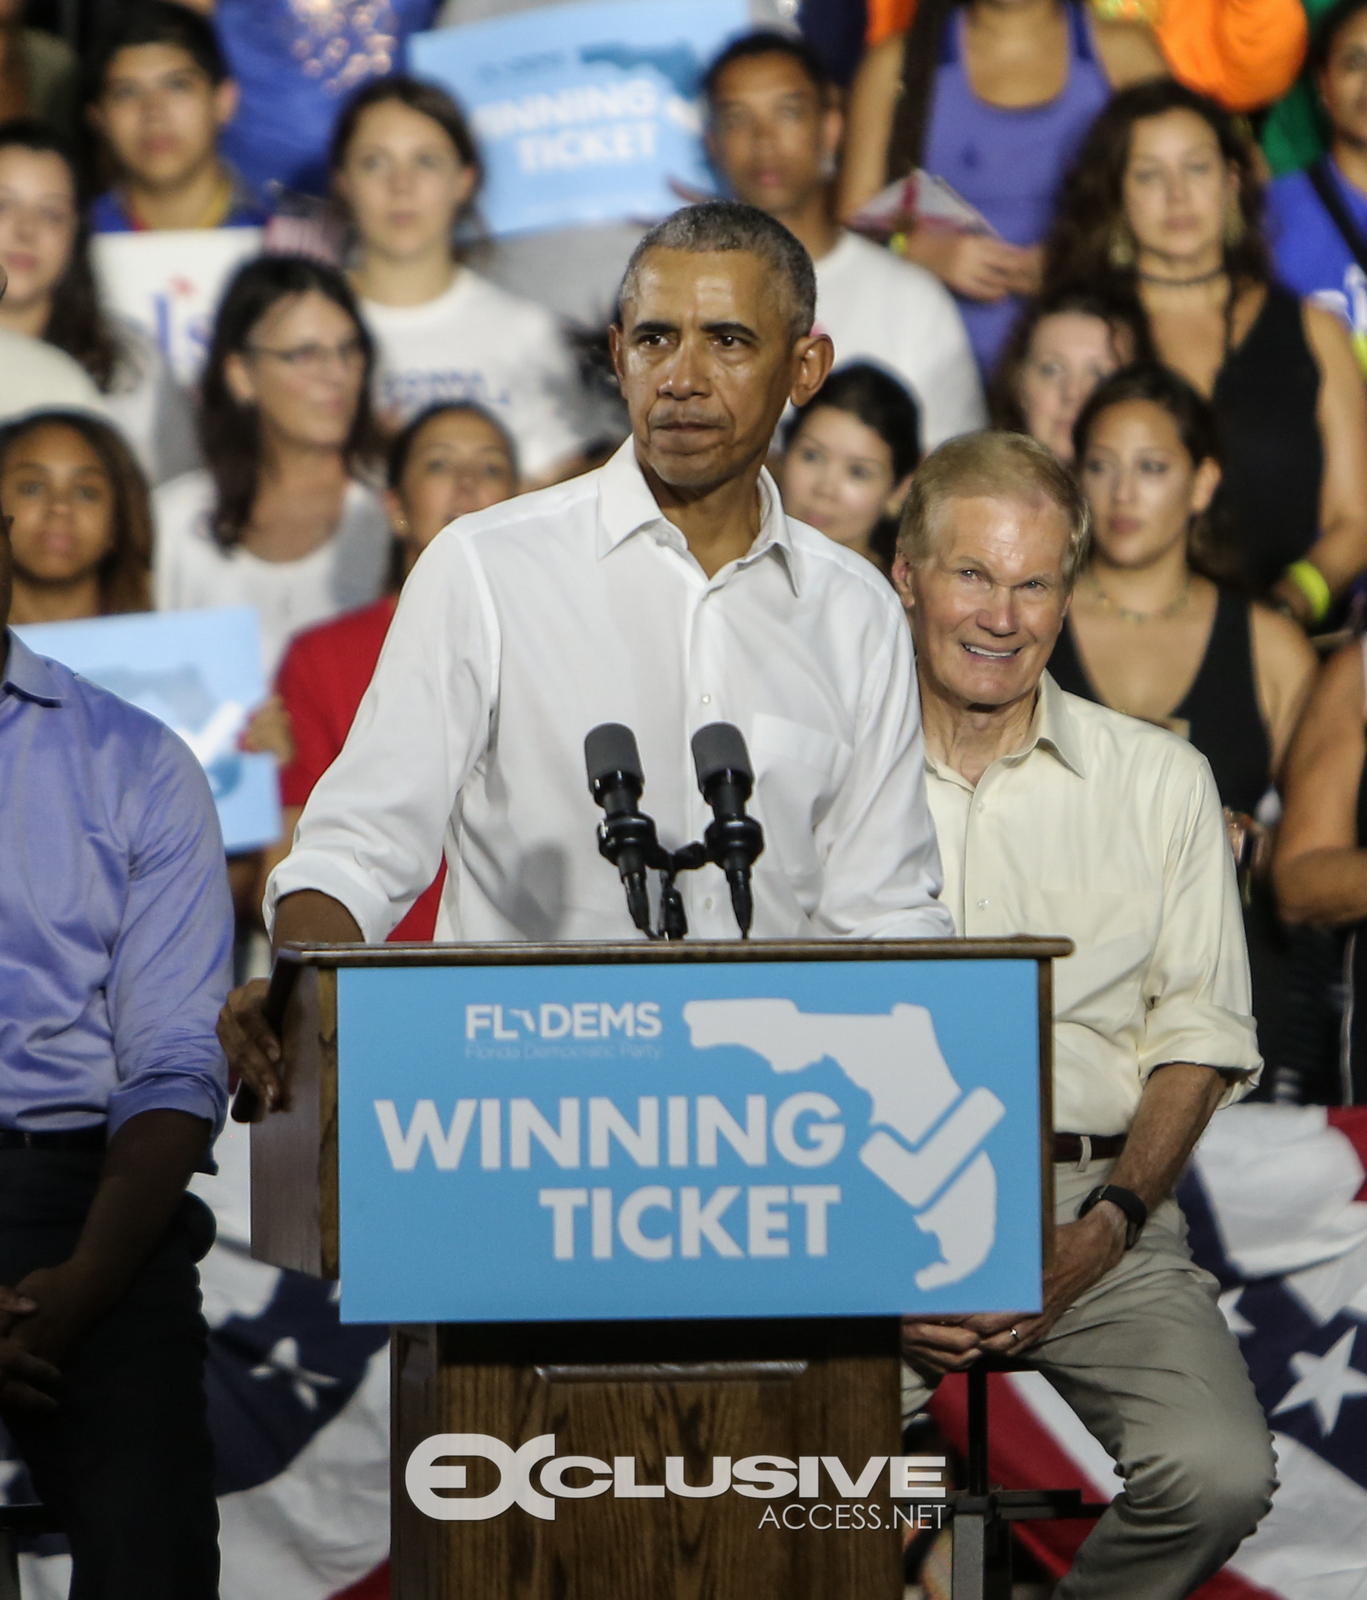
[
  {"x": 1220, "y": 708},
  {"x": 1266, "y": 395}
]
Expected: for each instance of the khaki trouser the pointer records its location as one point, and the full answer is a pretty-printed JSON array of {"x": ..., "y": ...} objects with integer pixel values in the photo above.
[{"x": 1147, "y": 1362}]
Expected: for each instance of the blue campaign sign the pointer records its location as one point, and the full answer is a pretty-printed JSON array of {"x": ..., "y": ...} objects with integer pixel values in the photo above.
[
  {"x": 200, "y": 673},
  {"x": 584, "y": 113},
  {"x": 688, "y": 1140}
]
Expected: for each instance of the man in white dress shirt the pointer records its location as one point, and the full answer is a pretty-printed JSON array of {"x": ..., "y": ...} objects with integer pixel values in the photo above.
[
  {"x": 774, "y": 127},
  {"x": 1058, "y": 816},
  {"x": 665, "y": 591}
]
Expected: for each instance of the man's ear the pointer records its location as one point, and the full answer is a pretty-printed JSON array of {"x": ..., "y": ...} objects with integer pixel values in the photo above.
[
  {"x": 815, "y": 356},
  {"x": 616, "y": 349},
  {"x": 226, "y": 96},
  {"x": 901, "y": 581}
]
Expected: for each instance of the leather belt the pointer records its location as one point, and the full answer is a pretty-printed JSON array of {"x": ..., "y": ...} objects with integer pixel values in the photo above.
[
  {"x": 93, "y": 1138},
  {"x": 1097, "y": 1146}
]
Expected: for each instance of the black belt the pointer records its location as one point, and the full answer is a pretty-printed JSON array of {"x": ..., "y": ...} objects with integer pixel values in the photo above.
[
  {"x": 58, "y": 1139},
  {"x": 1101, "y": 1146}
]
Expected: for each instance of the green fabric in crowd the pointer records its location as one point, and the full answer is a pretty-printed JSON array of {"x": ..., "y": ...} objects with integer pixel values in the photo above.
[{"x": 1295, "y": 130}]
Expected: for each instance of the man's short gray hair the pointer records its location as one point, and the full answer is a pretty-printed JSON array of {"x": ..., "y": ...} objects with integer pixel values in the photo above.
[
  {"x": 997, "y": 466},
  {"x": 722, "y": 225}
]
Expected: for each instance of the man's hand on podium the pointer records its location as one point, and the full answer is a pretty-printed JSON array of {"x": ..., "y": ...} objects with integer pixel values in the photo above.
[{"x": 251, "y": 1045}]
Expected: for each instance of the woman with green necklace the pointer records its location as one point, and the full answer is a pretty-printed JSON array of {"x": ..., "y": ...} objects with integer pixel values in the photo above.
[{"x": 1153, "y": 632}]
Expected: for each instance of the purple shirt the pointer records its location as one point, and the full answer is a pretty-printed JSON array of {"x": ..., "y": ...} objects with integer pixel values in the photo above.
[
  {"x": 1009, "y": 161},
  {"x": 115, "y": 919}
]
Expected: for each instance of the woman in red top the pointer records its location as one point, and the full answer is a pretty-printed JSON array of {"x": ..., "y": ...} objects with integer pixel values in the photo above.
[{"x": 452, "y": 459}]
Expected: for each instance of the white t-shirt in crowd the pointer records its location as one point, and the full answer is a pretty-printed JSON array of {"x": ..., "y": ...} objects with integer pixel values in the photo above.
[
  {"x": 897, "y": 315},
  {"x": 151, "y": 409},
  {"x": 35, "y": 376},
  {"x": 478, "y": 342},
  {"x": 191, "y": 570}
]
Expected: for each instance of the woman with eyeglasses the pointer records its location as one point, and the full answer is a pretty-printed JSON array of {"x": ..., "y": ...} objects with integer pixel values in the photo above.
[{"x": 280, "y": 518}]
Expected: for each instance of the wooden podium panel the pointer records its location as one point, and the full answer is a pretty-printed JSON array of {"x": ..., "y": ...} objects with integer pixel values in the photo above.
[{"x": 695, "y": 1390}]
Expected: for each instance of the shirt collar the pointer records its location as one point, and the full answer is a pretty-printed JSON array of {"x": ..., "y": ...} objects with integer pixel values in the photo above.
[
  {"x": 626, "y": 506},
  {"x": 1053, "y": 727},
  {"x": 29, "y": 675}
]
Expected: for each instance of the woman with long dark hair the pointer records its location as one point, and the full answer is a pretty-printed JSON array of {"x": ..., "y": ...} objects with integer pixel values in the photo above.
[
  {"x": 1153, "y": 632},
  {"x": 52, "y": 296},
  {"x": 993, "y": 97},
  {"x": 81, "y": 529},
  {"x": 1065, "y": 342},
  {"x": 407, "y": 169},
  {"x": 282, "y": 517},
  {"x": 848, "y": 457},
  {"x": 1165, "y": 199}
]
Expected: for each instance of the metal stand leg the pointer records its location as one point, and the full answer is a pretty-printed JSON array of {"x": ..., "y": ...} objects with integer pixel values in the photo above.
[
  {"x": 981, "y": 1568},
  {"x": 9, "y": 1568}
]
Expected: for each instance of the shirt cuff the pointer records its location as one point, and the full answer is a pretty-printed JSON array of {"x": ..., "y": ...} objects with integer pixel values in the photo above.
[
  {"x": 1206, "y": 1036},
  {"x": 310, "y": 869},
  {"x": 198, "y": 1094}
]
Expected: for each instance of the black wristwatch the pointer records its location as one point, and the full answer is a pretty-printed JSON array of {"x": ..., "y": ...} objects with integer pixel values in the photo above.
[{"x": 1136, "y": 1212}]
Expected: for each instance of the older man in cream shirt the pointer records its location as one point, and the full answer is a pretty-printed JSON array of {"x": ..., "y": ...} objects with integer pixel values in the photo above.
[{"x": 1057, "y": 816}]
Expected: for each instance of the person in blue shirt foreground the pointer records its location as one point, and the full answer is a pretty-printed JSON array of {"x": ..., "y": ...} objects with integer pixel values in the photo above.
[{"x": 115, "y": 948}]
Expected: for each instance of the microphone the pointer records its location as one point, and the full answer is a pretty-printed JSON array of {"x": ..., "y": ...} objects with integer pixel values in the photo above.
[
  {"x": 625, "y": 836},
  {"x": 732, "y": 840}
]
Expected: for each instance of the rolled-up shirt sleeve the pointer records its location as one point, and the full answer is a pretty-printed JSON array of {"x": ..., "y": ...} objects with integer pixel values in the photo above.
[
  {"x": 423, "y": 724},
  {"x": 882, "y": 873},
  {"x": 1197, "y": 986},
  {"x": 171, "y": 963}
]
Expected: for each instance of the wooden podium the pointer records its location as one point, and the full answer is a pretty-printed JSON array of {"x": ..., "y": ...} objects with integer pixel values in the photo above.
[{"x": 799, "y": 1387}]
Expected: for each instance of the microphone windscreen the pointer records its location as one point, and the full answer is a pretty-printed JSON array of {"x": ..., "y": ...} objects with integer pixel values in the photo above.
[
  {"x": 720, "y": 747},
  {"x": 610, "y": 748}
]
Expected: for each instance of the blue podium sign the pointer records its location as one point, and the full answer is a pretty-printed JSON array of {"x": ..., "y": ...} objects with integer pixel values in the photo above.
[{"x": 624, "y": 1141}]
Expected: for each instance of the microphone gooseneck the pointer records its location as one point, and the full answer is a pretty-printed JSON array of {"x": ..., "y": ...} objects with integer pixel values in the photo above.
[{"x": 733, "y": 840}]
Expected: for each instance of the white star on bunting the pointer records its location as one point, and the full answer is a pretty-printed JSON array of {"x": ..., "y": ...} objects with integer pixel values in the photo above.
[
  {"x": 283, "y": 1361},
  {"x": 1325, "y": 1382}
]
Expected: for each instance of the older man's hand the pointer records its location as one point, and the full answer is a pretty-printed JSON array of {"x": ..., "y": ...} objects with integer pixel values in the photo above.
[{"x": 1084, "y": 1252}]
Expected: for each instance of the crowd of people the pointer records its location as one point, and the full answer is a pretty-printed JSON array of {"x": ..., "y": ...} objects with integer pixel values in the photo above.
[
  {"x": 1137, "y": 294},
  {"x": 1002, "y": 417}
]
